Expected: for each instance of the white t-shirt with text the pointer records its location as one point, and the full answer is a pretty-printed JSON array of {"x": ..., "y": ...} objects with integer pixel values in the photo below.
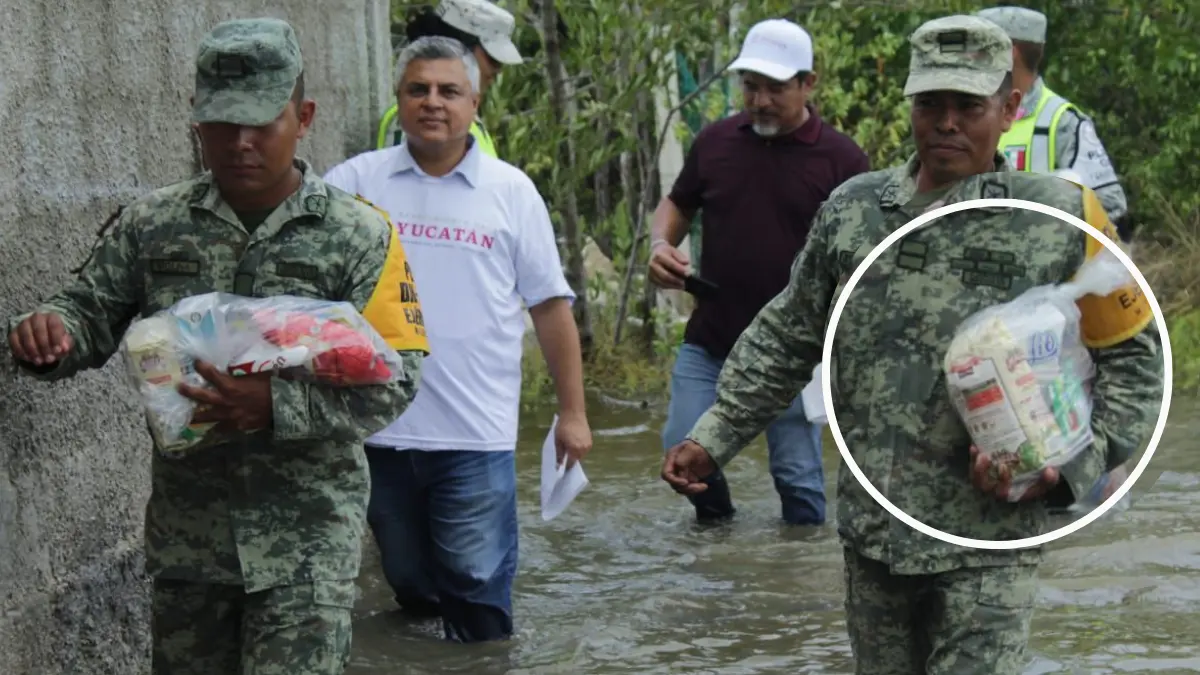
[{"x": 480, "y": 242}]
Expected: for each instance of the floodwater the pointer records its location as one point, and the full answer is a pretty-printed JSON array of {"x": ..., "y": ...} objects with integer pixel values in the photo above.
[{"x": 624, "y": 582}]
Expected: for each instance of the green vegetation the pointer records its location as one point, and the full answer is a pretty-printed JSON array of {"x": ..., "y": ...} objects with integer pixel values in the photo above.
[
  {"x": 1169, "y": 259},
  {"x": 580, "y": 118},
  {"x": 622, "y": 371}
]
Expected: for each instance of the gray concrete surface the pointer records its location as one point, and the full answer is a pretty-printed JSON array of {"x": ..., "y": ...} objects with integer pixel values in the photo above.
[{"x": 93, "y": 107}]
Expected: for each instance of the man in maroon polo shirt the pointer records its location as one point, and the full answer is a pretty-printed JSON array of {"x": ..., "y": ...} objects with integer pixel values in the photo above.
[{"x": 757, "y": 179}]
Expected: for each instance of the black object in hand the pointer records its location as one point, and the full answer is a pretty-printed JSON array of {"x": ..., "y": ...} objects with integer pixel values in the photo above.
[{"x": 699, "y": 286}]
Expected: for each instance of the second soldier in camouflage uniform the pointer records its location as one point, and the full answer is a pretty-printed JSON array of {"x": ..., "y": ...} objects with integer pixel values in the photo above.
[
  {"x": 254, "y": 545},
  {"x": 915, "y": 604},
  {"x": 1076, "y": 145}
]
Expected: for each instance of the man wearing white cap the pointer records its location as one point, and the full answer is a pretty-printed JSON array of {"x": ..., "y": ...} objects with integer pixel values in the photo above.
[
  {"x": 1050, "y": 133},
  {"x": 486, "y": 30},
  {"x": 756, "y": 178}
]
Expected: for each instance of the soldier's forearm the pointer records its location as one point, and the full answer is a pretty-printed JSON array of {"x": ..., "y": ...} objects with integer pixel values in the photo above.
[
  {"x": 768, "y": 367},
  {"x": 305, "y": 411}
]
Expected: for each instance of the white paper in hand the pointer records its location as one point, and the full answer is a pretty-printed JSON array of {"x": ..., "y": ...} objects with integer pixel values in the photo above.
[
  {"x": 813, "y": 399},
  {"x": 559, "y": 486}
]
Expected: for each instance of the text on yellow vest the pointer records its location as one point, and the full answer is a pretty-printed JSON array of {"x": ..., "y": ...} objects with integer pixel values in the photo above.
[
  {"x": 1118, "y": 316},
  {"x": 394, "y": 309}
]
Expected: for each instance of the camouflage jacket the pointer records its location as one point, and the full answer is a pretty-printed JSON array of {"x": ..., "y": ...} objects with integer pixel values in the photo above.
[
  {"x": 890, "y": 397},
  {"x": 282, "y": 506}
]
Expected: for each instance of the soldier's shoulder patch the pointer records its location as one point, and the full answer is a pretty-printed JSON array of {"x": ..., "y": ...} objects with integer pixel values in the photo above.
[
  {"x": 994, "y": 189},
  {"x": 316, "y": 204},
  {"x": 377, "y": 209}
]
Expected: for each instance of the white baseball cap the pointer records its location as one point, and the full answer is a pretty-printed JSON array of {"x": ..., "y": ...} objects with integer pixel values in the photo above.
[{"x": 776, "y": 48}]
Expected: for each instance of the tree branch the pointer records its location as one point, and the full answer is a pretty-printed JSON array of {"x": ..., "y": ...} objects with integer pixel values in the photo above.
[{"x": 647, "y": 175}]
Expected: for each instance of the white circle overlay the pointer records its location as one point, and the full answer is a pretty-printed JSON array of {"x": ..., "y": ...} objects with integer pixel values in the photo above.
[{"x": 987, "y": 544}]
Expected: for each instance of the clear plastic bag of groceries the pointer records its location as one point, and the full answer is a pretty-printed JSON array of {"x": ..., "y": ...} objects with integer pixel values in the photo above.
[
  {"x": 293, "y": 337},
  {"x": 1020, "y": 376}
]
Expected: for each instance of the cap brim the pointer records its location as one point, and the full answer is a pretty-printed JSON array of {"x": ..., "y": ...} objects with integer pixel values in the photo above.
[
  {"x": 972, "y": 82},
  {"x": 504, "y": 51},
  {"x": 245, "y": 107},
  {"x": 772, "y": 70}
]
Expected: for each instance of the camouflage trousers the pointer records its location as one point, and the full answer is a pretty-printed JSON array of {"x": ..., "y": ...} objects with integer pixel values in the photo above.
[
  {"x": 970, "y": 621},
  {"x": 211, "y": 629}
]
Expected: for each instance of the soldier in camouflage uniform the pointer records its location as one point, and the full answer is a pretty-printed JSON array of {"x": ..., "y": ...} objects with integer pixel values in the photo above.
[
  {"x": 915, "y": 604},
  {"x": 254, "y": 545},
  {"x": 1077, "y": 147}
]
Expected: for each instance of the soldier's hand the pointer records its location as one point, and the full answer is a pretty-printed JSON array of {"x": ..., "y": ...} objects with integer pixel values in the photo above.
[
  {"x": 241, "y": 403},
  {"x": 668, "y": 266},
  {"x": 998, "y": 481},
  {"x": 41, "y": 339},
  {"x": 686, "y": 466}
]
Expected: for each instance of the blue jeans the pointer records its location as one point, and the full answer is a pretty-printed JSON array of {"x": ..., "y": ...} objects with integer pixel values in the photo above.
[
  {"x": 793, "y": 444},
  {"x": 446, "y": 525}
]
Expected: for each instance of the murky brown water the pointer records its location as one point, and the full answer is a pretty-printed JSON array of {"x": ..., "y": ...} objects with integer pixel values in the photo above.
[{"x": 623, "y": 582}]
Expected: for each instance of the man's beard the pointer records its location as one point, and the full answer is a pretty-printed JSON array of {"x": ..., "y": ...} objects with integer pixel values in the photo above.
[{"x": 765, "y": 128}]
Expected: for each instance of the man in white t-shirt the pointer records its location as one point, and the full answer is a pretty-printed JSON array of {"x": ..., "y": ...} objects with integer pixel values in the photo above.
[{"x": 480, "y": 242}]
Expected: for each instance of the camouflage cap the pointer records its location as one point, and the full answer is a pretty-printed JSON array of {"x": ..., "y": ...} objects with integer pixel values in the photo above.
[
  {"x": 1026, "y": 25},
  {"x": 246, "y": 70},
  {"x": 485, "y": 20},
  {"x": 958, "y": 53}
]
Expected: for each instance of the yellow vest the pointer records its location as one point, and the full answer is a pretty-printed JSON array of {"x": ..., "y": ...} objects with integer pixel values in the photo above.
[
  {"x": 384, "y": 139},
  {"x": 394, "y": 309},
  {"x": 1118, "y": 316},
  {"x": 1030, "y": 143}
]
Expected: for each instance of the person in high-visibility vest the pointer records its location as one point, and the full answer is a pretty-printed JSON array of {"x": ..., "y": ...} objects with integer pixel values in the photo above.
[
  {"x": 1050, "y": 133},
  {"x": 484, "y": 28}
]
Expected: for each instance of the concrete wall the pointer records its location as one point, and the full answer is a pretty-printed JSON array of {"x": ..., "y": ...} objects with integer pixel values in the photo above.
[{"x": 93, "y": 107}]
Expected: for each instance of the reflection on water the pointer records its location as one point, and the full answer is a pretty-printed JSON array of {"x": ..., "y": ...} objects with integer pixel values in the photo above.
[{"x": 624, "y": 582}]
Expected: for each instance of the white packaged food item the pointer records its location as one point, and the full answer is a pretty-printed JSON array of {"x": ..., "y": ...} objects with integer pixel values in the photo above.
[
  {"x": 1021, "y": 402},
  {"x": 1020, "y": 376},
  {"x": 296, "y": 338},
  {"x": 157, "y": 366}
]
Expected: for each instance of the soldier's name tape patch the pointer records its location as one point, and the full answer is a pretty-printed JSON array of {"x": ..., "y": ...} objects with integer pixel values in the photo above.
[
  {"x": 1146, "y": 296},
  {"x": 175, "y": 267},
  {"x": 296, "y": 270}
]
